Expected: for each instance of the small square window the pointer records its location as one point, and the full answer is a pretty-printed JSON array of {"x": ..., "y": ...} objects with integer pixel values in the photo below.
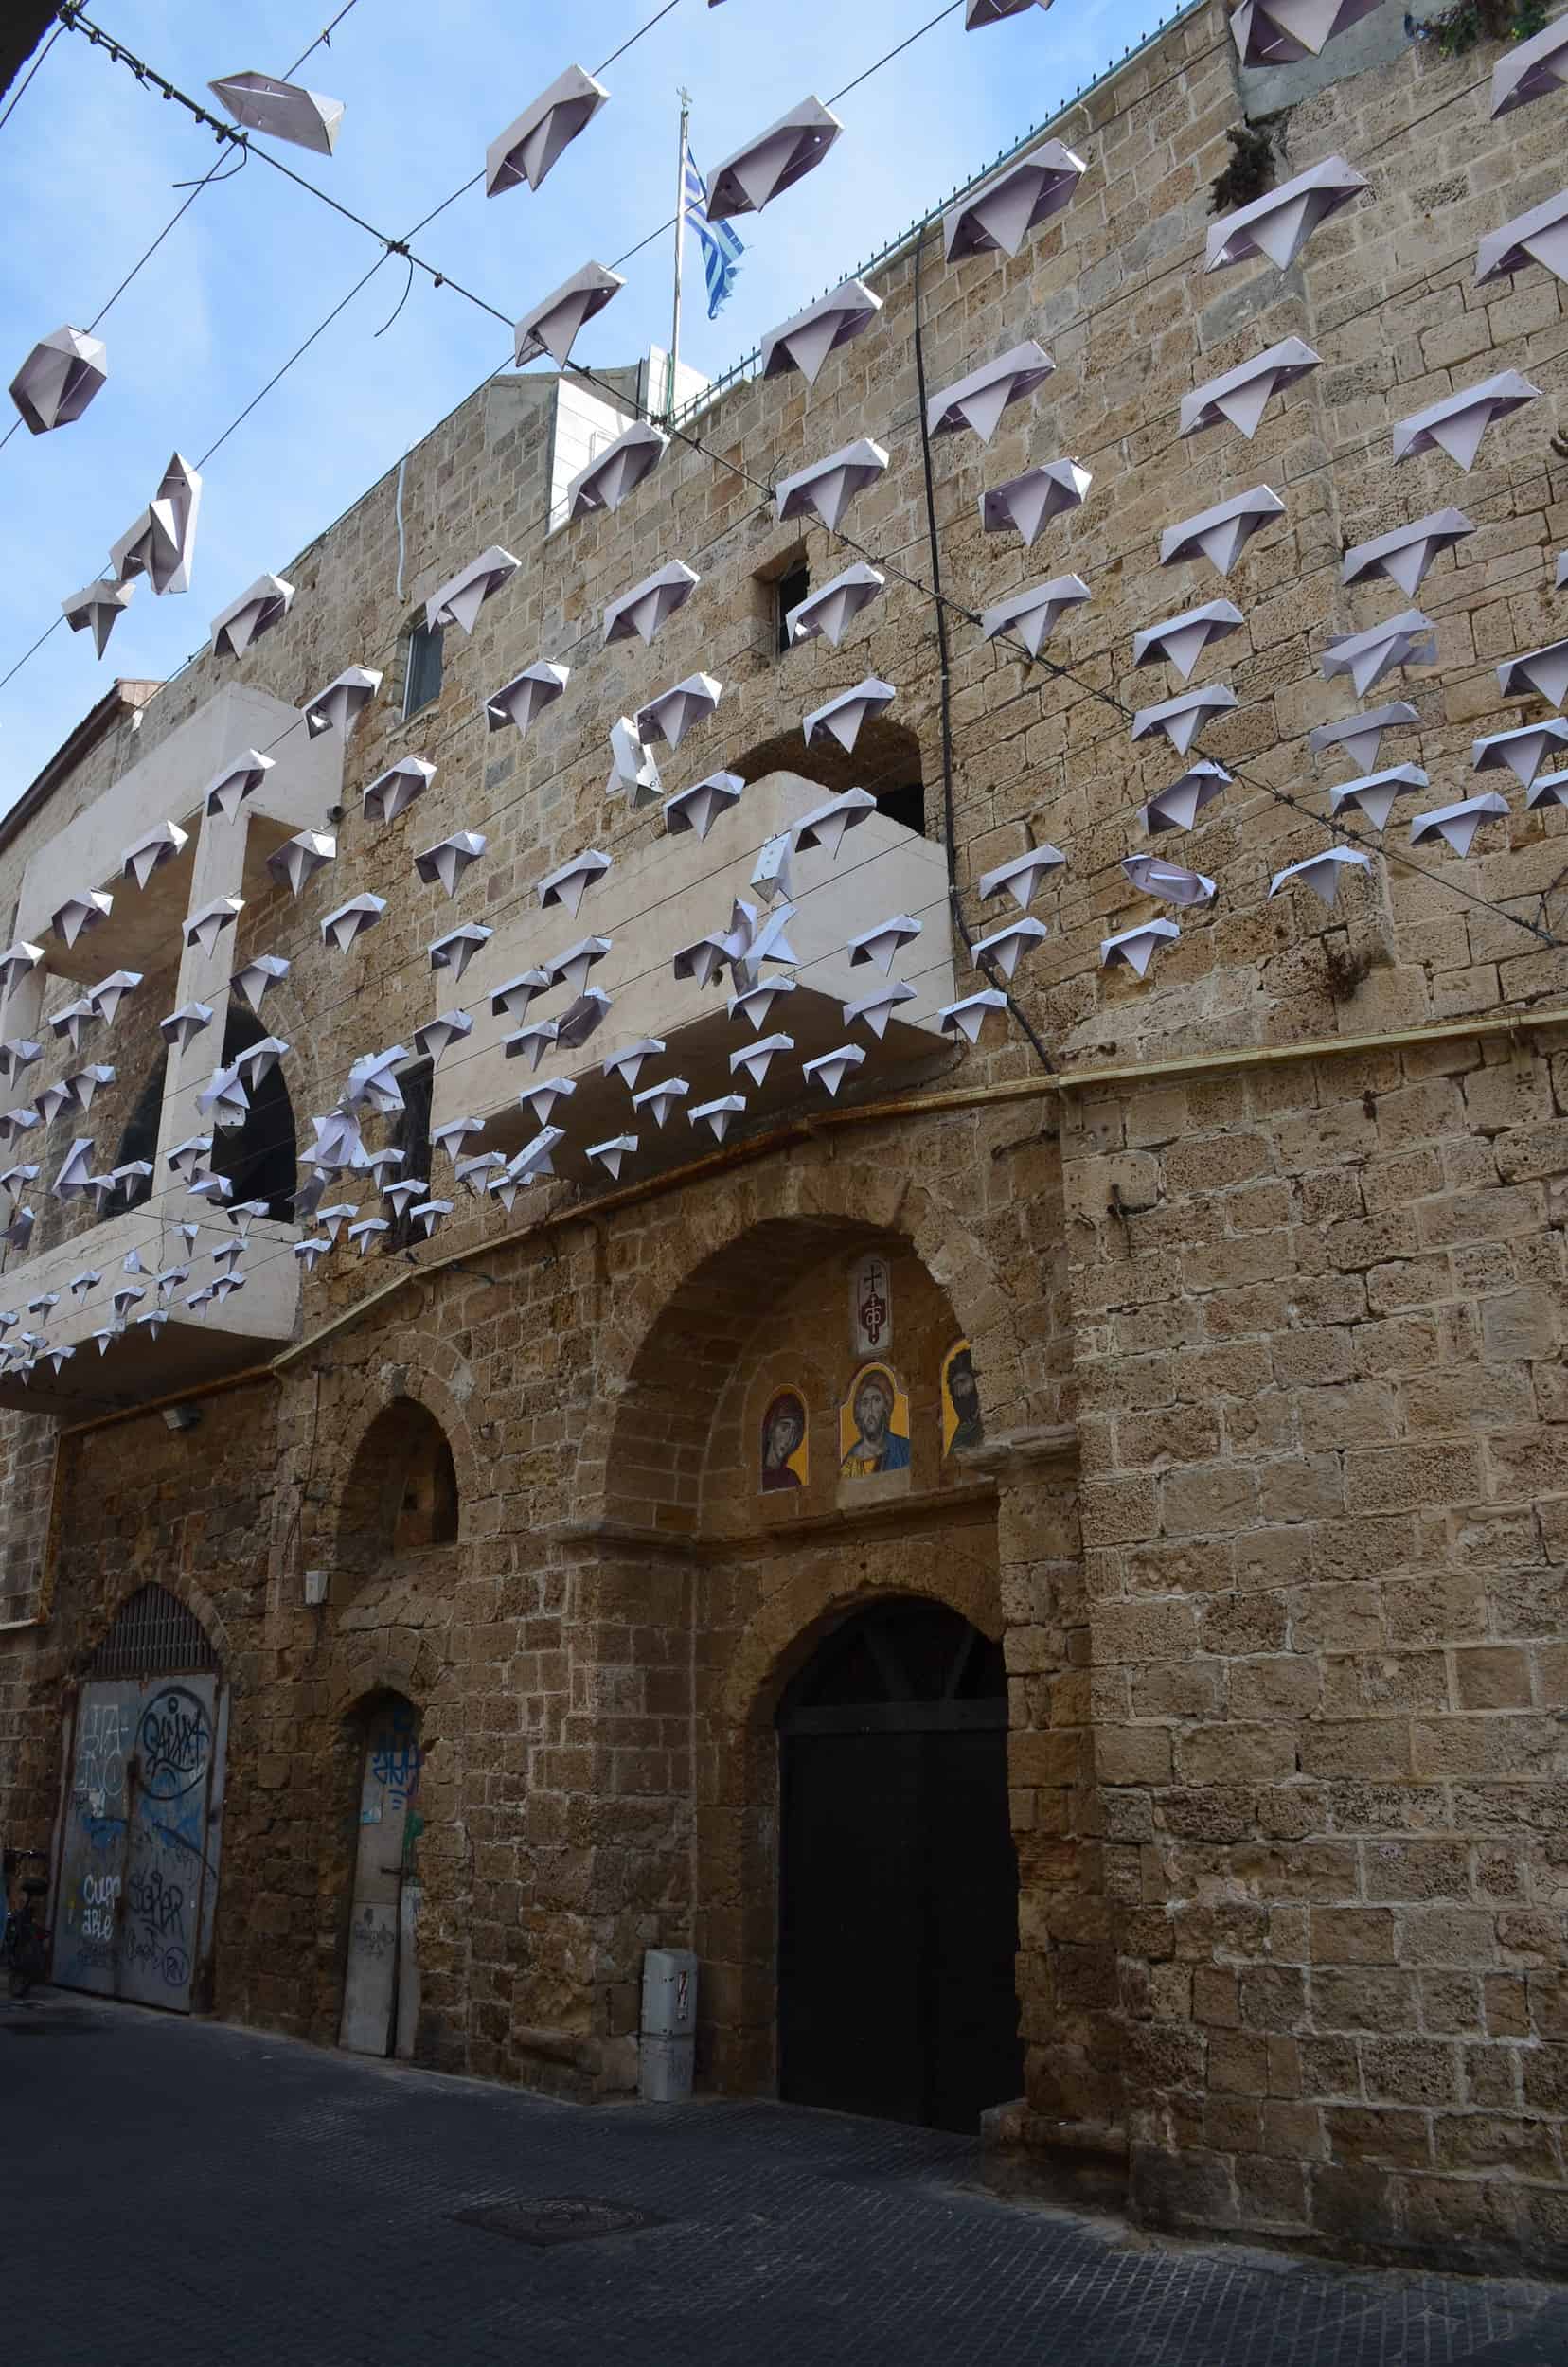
[
  {"x": 788, "y": 591},
  {"x": 421, "y": 668}
]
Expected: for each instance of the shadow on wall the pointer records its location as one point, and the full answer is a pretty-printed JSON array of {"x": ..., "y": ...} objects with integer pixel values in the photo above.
[{"x": 887, "y": 760}]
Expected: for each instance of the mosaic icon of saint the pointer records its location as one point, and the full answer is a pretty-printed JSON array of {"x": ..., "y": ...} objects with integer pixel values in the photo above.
[{"x": 963, "y": 1423}]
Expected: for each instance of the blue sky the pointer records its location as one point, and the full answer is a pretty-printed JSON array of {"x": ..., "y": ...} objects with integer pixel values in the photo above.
[{"x": 87, "y": 167}]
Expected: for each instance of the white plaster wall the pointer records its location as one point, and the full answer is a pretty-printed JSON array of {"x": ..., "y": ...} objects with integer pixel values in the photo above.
[{"x": 166, "y": 786}]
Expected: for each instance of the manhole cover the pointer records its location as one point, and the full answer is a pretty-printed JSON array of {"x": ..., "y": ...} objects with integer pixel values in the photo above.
[{"x": 559, "y": 2219}]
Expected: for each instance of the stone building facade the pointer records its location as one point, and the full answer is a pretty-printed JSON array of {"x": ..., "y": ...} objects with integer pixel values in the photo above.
[{"x": 1260, "y": 1267}]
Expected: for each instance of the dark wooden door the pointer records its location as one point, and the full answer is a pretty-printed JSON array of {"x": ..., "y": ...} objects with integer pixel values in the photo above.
[{"x": 899, "y": 1883}]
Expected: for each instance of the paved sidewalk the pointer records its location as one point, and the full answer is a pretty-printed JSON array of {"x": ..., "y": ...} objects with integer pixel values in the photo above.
[{"x": 190, "y": 2191}]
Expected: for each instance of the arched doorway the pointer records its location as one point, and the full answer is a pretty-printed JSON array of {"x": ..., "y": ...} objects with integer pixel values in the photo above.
[
  {"x": 138, "y": 1868},
  {"x": 898, "y": 1878},
  {"x": 381, "y": 1994}
]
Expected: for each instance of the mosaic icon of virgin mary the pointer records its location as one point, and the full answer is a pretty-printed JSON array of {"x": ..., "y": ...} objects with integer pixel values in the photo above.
[{"x": 784, "y": 1442}]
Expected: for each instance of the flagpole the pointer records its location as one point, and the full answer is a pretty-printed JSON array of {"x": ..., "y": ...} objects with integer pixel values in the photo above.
[{"x": 680, "y": 245}]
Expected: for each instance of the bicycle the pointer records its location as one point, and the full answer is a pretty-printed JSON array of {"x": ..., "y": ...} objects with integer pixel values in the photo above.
[{"x": 25, "y": 1941}]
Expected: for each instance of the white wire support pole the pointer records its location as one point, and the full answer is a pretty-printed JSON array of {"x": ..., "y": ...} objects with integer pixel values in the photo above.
[{"x": 680, "y": 252}]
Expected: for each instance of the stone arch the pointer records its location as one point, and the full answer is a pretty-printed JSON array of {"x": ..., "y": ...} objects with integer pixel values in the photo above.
[
  {"x": 184, "y": 1590},
  {"x": 690, "y": 1614},
  {"x": 792, "y": 1622},
  {"x": 691, "y": 1310},
  {"x": 397, "y": 1376},
  {"x": 400, "y": 1494},
  {"x": 887, "y": 759},
  {"x": 355, "y": 1686}
]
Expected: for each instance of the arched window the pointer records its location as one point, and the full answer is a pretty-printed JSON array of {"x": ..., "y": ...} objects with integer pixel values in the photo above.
[
  {"x": 259, "y": 1158},
  {"x": 153, "y": 1635},
  {"x": 401, "y": 1496},
  {"x": 885, "y": 759}
]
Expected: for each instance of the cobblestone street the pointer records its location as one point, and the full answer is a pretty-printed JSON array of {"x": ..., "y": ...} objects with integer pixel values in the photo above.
[{"x": 198, "y": 2192}]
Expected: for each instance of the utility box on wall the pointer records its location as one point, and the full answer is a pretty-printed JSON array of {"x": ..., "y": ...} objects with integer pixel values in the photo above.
[{"x": 668, "y": 2025}]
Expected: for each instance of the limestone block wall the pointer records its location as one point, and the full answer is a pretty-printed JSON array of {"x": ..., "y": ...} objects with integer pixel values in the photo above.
[
  {"x": 1286, "y": 1640},
  {"x": 1320, "y": 1356},
  {"x": 1114, "y": 288}
]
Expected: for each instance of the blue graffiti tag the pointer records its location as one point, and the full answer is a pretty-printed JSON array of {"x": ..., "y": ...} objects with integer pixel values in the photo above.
[{"x": 396, "y": 1759}]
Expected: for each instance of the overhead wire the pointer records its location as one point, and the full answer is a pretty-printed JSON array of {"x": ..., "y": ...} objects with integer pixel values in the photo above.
[
  {"x": 1092, "y": 689},
  {"x": 475, "y": 178},
  {"x": 941, "y": 603},
  {"x": 95, "y": 33},
  {"x": 394, "y": 246},
  {"x": 536, "y": 1080},
  {"x": 356, "y": 992},
  {"x": 320, "y": 1012},
  {"x": 21, "y": 91},
  {"x": 1067, "y": 673},
  {"x": 397, "y": 246},
  {"x": 216, "y": 173},
  {"x": 255, "y": 1149},
  {"x": 389, "y": 247},
  {"x": 322, "y": 41}
]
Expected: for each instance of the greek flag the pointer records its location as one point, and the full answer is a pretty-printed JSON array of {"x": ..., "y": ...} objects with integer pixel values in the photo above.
[{"x": 722, "y": 249}]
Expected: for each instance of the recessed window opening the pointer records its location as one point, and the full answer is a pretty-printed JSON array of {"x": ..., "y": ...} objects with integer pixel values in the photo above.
[
  {"x": 422, "y": 668},
  {"x": 428, "y": 1512},
  {"x": 259, "y": 1157},
  {"x": 789, "y": 592},
  {"x": 403, "y": 1489}
]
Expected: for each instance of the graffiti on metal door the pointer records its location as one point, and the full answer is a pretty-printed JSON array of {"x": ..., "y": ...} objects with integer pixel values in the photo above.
[{"x": 134, "y": 1864}]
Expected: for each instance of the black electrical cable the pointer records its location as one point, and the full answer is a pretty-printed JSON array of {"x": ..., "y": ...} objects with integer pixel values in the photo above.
[
  {"x": 400, "y": 246},
  {"x": 21, "y": 91},
  {"x": 1065, "y": 673},
  {"x": 390, "y": 246},
  {"x": 950, "y": 824}
]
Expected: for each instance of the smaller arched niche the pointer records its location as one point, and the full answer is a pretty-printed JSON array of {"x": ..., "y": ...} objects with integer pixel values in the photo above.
[{"x": 402, "y": 1499}]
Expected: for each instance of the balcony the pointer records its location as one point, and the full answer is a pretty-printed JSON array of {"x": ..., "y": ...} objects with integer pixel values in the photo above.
[
  {"x": 244, "y": 1329},
  {"x": 663, "y": 895},
  {"x": 143, "y": 931}
]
